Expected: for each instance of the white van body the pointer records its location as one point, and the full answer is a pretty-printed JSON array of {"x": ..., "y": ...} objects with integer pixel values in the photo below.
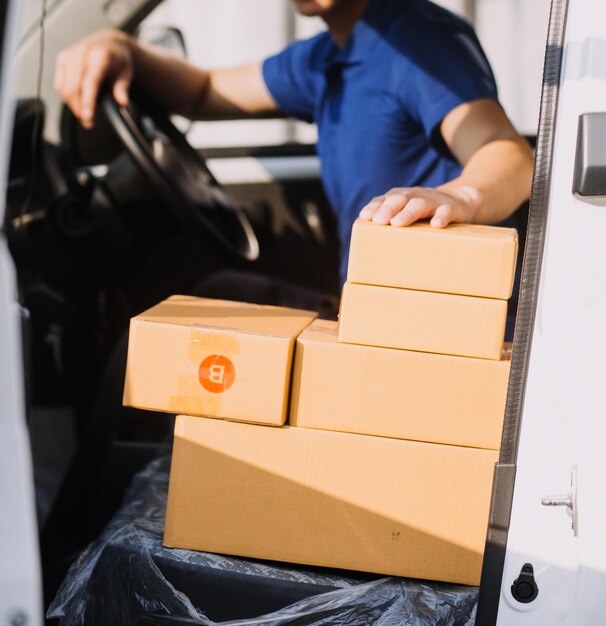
[{"x": 20, "y": 574}]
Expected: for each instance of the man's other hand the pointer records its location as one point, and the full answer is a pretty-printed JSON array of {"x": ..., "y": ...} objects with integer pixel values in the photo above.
[
  {"x": 403, "y": 206},
  {"x": 82, "y": 69}
]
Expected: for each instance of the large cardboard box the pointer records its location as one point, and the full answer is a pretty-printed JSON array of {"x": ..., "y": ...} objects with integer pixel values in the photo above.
[
  {"x": 422, "y": 320},
  {"x": 397, "y": 393},
  {"x": 466, "y": 259},
  {"x": 316, "y": 497},
  {"x": 214, "y": 358}
]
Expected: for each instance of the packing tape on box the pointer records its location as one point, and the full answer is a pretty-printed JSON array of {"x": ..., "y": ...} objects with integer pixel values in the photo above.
[
  {"x": 209, "y": 352},
  {"x": 204, "y": 342}
]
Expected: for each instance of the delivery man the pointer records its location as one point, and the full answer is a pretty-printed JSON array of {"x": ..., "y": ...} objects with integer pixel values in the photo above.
[{"x": 404, "y": 99}]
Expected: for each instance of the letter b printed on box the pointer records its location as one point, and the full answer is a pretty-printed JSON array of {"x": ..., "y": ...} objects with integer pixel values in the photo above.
[{"x": 217, "y": 373}]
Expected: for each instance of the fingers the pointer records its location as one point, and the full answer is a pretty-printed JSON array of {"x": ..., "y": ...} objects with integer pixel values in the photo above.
[
  {"x": 393, "y": 203},
  {"x": 399, "y": 207},
  {"x": 71, "y": 70},
  {"x": 120, "y": 89},
  {"x": 368, "y": 212},
  {"x": 416, "y": 209},
  {"x": 94, "y": 74},
  {"x": 444, "y": 215},
  {"x": 81, "y": 70}
]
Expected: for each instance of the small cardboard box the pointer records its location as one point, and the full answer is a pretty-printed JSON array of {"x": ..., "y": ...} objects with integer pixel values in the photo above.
[
  {"x": 422, "y": 320},
  {"x": 214, "y": 358},
  {"x": 465, "y": 259},
  {"x": 316, "y": 497},
  {"x": 397, "y": 393}
]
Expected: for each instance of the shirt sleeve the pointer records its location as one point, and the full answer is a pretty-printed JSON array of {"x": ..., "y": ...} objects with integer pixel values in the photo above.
[
  {"x": 448, "y": 69},
  {"x": 291, "y": 77}
]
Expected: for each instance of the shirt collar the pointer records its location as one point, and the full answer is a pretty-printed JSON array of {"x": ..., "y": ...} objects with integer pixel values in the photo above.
[{"x": 365, "y": 34}]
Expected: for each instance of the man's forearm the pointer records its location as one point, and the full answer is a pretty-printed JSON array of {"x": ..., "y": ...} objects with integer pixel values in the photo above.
[
  {"x": 187, "y": 90},
  {"x": 496, "y": 180},
  {"x": 169, "y": 80},
  {"x": 114, "y": 58}
]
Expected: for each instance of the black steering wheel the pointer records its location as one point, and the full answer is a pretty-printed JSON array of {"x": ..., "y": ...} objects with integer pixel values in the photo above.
[{"x": 178, "y": 174}]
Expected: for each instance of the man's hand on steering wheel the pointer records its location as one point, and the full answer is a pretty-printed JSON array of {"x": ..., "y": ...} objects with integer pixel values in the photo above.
[
  {"x": 114, "y": 58},
  {"x": 104, "y": 57},
  {"x": 96, "y": 73}
]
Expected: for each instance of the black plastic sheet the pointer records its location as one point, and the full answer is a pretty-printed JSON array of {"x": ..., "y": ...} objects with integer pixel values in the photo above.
[{"x": 124, "y": 577}]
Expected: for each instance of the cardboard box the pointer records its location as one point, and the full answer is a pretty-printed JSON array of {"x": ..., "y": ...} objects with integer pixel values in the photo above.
[
  {"x": 397, "y": 393},
  {"x": 214, "y": 358},
  {"x": 465, "y": 259},
  {"x": 316, "y": 497},
  {"x": 422, "y": 320}
]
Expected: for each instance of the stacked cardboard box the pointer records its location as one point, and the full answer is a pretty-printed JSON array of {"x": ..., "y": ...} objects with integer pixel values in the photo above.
[
  {"x": 397, "y": 393},
  {"x": 361, "y": 477},
  {"x": 213, "y": 358},
  {"x": 410, "y": 362},
  {"x": 434, "y": 290},
  {"x": 332, "y": 499}
]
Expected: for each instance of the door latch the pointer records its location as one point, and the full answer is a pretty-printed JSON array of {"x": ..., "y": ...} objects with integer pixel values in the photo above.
[{"x": 568, "y": 500}]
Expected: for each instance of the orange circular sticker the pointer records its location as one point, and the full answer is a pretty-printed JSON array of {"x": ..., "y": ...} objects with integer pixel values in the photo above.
[{"x": 217, "y": 373}]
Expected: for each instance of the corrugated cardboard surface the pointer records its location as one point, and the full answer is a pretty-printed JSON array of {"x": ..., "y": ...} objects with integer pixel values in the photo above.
[
  {"x": 466, "y": 259},
  {"x": 422, "y": 320},
  {"x": 213, "y": 358},
  {"x": 331, "y": 499},
  {"x": 396, "y": 393}
]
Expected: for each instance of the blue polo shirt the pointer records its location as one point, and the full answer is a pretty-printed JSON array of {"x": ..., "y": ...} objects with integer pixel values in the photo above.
[{"x": 378, "y": 102}]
